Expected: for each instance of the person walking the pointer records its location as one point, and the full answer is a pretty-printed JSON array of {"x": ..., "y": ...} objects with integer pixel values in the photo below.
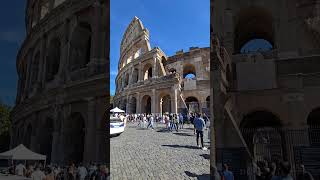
[
  {"x": 20, "y": 170},
  {"x": 181, "y": 120},
  {"x": 82, "y": 172},
  {"x": 151, "y": 119},
  {"x": 199, "y": 126},
  {"x": 177, "y": 121}
]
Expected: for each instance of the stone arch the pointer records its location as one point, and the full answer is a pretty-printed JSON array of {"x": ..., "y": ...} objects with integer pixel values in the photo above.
[
  {"x": 80, "y": 46},
  {"x": 253, "y": 23},
  {"x": 262, "y": 132},
  {"x": 313, "y": 119},
  {"x": 146, "y": 104},
  {"x": 189, "y": 69},
  {"x": 313, "y": 122},
  {"x": 165, "y": 104},
  {"x": 133, "y": 105},
  {"x": 135, "y": 75},
  {"x": 192, "y": 104},
  {"x": 74, "y": 134},
  {"x": 53, "y": 59},
  {"x": 126, "y": 81},
  {"x": 147, "y": 72},
  {"x": 208, "y": 102},
  {"x": 35, "y": 67}
]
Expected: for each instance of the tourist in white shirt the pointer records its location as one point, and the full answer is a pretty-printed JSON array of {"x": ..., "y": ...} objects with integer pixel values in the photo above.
[
  {"x": 20, "y": 170},
  {"x": 38, "y": 174}
]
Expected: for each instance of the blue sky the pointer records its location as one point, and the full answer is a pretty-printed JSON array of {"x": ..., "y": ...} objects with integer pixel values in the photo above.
[
  {"x": 12, "y": 32},
  {"x": 173, "y": 25}
]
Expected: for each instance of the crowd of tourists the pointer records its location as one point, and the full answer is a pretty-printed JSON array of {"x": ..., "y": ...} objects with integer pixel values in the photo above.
[
  {"x": 172, "y": 121},
  {"x": 266, "y": 171},
  {"x": 38, "y": 171}
]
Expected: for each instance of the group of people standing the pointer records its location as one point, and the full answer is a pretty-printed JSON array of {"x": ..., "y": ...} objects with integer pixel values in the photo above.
[
  {"x": 173, "y": 121},
  {"x": 53, "y": 172}
]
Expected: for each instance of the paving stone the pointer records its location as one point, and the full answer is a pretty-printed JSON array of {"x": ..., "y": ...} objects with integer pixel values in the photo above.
[{"x": 149, "y": 154}]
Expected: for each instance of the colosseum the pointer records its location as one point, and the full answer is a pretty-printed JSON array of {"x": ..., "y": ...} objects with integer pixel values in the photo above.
[
  {"x": 63, "y": 81},
  {"x": 148, "y": 81},
  {"x": 266, "y": 103}
]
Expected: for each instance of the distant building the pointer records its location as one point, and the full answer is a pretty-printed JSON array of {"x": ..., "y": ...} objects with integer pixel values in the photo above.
[
  {"x": 150, "y": 82},
  {"x": 62, "y": 94}
]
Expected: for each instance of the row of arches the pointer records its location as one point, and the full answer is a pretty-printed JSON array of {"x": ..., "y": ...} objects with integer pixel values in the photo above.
[
  {"x": 73, "y": 135},
  {"x": 266, "y": 136},
  {"x": 79, "y": 55},
  {"x": 165, "y": 104},
  {"x": 189, "y": 72}
]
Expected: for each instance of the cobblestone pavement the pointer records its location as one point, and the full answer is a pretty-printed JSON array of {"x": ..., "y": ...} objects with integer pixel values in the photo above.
[{"x": 145, "y": 154}]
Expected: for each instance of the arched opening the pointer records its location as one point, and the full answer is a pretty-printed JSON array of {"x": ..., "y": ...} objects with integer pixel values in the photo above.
[
  {"x": 146, "y": 104},
  {"x": 46, "y": 138},
  {"x": 254, "y": 25},
  {"x": 135, "y": 76},
  {"x": 133, "y": 105},
  {"x": 124, "y": 105},
  {"x": 192, "y": 104},
  {"x": 256, "y": 45},
  {"x": 189, "y": 71},
  {"x": 80, "y": 47},
  {"x": 208, "y": 102},
  {"x": 147, "y": 72},
  {"x": 53, "y": 59},
  {"x": 74, "y": 138},
  {"x": 35, "y": 68},
  {"x": 165, "y": 104},
  {"x": 138, "y": 53},
  {"x": 264, "y": 136},
  {"x": 314, "y": 126},
  {"x": 126, "y": 82}
]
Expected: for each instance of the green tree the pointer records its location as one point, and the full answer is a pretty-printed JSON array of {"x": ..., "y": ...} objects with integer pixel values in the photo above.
[{"x": 5, "y": 125}]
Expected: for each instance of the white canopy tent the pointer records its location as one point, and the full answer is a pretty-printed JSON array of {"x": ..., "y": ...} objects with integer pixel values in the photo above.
[
  {"x": 22, "y": 153},
  {"x": 116, "y": 110}
]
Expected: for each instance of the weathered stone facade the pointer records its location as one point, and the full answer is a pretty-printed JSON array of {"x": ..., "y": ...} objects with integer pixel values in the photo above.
[
  {"x": 265, "y": 92},
  {"x": 62, "y": 89},
  {"x": 150, "y": 82}
]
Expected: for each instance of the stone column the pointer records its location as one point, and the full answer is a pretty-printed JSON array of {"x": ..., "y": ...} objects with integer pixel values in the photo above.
[
  {"x": 140, "y": 73},
  {"x": 96, "y": 43},
  {"x": 65, "y": 46},
  {"x": 174, "y": 99},
  {"x": 29, "y": 72},
  {"x": 138, "y": 104},
  {"x": 153, "y": 101},
  {"x": 42, "y": 70},
  {"x": 89, "y": 148},
  {"x": 55, "y": 145},
  {"x": 155, "y": 67}
]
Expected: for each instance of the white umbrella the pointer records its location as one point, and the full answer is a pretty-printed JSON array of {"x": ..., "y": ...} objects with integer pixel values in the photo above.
[{"x": 117, "y": 110}]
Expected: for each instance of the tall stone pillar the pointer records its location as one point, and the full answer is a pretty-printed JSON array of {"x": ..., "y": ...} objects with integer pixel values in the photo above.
[
  {"x": 140, "y": 73},
  {"x": 174, "y": 99},
  {"x": 155, "y": 68},
  {"x": 138, "y": 105},
  {"x": 29, "y": 71},
  {"x": 153, "y": 101},
  {"x": 42, "y": 70},
  {"x": 89, "y": 148},
  {"x": 55, "y": 147}
]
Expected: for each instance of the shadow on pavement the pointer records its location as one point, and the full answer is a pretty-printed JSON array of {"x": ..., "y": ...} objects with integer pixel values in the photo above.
[
  {"x": 200, "y": 177},
  {"x": 163, "y": 130},
  {"x": 178, "y": 146},
  {"x": 183, "y": 134},
  {"x": 205, "y": 156}
]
